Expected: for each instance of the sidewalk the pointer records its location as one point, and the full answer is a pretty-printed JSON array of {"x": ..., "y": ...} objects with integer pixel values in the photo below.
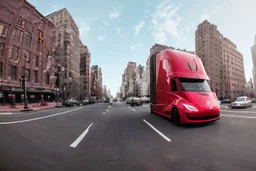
[{"x": 20, "y": 108}]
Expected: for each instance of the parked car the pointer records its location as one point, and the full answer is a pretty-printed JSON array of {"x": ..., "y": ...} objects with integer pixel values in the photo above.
[
  {"x": 220, "y": 98},
  {"x": 242, "y": 102},
  {"x": 86, "y": 102},
  {"x": 71, "y": 103},
  {"x": 128, "y": 100},
  {"x": 145, "y": 100},
  {"x": 92, "y": 101},
  {"x": 253, "y": 100},
  {"x": 136, "y": 101},
  {"x": 226, "y": 101}
]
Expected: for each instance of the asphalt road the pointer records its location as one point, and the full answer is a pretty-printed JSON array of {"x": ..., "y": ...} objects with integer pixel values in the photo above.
[{"x": 118, "y": 138}]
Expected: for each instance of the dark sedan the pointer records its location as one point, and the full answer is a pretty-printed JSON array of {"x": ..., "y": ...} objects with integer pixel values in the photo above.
[
  {"x": 135, "y": 101},
  {"x": 71, "y": 103}
]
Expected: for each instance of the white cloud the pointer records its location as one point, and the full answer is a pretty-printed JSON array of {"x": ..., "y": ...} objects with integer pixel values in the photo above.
[
  {"x": 134, "y": 46},
  {"x": 118, "y": 30},
  {"x": 190, "y": 26},
  {"x": 205, "y": 16},
  {"x": 93, "y": 19},
  {"x": 216, "y": 9},
  {"x": 104, "y": 22},
  {"x": 114, "y": 14},
  {"x": 138, "y": 27},
  {"x": 101, "y": 38},
  {"x": 84, "y": 27},
  {"x": 160, "y": 37},
  {"x": 166, "y": 22}
]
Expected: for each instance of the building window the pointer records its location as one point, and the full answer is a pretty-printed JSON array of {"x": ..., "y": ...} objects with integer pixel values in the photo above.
[
  {"x": 2, "y": 47},
  {"x": 36, "y": 76},
  {"x": 3, "y": 29},
  {"x": 47, "y": 78},
  {"x": 28, "y": 39},
  {"x": 14, "y": 52},
  {"x": 20, "y": 22},
  {"x": 28, "y": 55},
  {"x": 36, "y": 60},
  {"x": 17, "y": 35},
  {"x": 29, "y": 28},
  {"x": 1, "y": 69},
  {"x": 12, "y": 72}
]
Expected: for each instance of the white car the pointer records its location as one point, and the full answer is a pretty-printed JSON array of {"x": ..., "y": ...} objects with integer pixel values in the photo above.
[{"x": 242, "y": 102}]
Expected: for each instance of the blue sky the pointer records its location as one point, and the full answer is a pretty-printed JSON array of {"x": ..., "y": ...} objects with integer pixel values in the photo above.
[{"x": 120, "y": 31}]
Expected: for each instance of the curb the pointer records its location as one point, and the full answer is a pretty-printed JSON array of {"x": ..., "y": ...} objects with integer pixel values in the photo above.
[{"x": 23, "y": 111}]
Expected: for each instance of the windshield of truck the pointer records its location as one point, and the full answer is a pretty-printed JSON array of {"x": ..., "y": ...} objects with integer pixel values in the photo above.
[{"x": 194, "y": 85}]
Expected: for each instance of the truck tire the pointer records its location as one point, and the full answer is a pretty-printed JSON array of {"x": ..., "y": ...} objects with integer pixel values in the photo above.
[{"x": 176, "y": 117}]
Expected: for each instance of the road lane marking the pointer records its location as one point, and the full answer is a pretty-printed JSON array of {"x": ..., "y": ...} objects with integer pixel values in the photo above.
[
  {"x": 104, "y": 113},
  {"x": 160, "y": 133},
  {"x": 129, "y": 107},
  {"x": 133, "y": 109},
  {"x": 109, "y": 107},
  {"x": 80, "y": 138},
  {"x": 107, "y": 110},
  {"x": 34, "y": 119},
  {"x": 238, "y": 116},
  {"x": 5, "y": 113}
]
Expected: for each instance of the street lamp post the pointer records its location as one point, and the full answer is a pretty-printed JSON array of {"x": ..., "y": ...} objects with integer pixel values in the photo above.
[{"x": 24, "y": 83}]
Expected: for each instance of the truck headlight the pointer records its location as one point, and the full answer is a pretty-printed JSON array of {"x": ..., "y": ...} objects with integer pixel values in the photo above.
[{"x": 191, "y": 108}]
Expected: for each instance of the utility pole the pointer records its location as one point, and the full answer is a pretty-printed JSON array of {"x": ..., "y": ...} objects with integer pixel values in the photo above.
[{"x": 24, "y": 83}]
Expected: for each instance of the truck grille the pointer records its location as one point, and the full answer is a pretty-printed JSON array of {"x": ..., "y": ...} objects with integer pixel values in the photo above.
[{"x": 203, "y": 117}]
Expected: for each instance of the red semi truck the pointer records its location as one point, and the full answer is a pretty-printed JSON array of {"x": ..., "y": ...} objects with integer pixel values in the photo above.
[{"x": 179, "y": 89}]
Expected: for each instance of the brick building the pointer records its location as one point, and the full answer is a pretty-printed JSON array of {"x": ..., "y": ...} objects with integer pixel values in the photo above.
[
  {"x": 222, "y": 61},
  {"x": 23, "y": 30}
]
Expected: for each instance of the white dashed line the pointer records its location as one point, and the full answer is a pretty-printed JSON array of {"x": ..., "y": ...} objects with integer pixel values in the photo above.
[
  {"x": 5, "y": 113},
  {"x": 43, "y": 117},
  {"x": 107, "y": 110},
  {"x": 79, "y": 139},
  {"x": 160, "y": 133},
  {"x": 104, "y": 113},
  {"x": 133, "y": 109}
]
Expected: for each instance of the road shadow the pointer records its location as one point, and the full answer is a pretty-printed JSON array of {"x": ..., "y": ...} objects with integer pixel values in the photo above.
[{"x": 199, "y": 125}]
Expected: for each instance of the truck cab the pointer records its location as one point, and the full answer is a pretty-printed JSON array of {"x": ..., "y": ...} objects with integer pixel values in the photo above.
[{"x": 179, "y": 88}]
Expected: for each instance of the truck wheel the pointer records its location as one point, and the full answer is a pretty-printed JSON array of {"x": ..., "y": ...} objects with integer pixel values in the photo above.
[{"x": 176, "y": 117}]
